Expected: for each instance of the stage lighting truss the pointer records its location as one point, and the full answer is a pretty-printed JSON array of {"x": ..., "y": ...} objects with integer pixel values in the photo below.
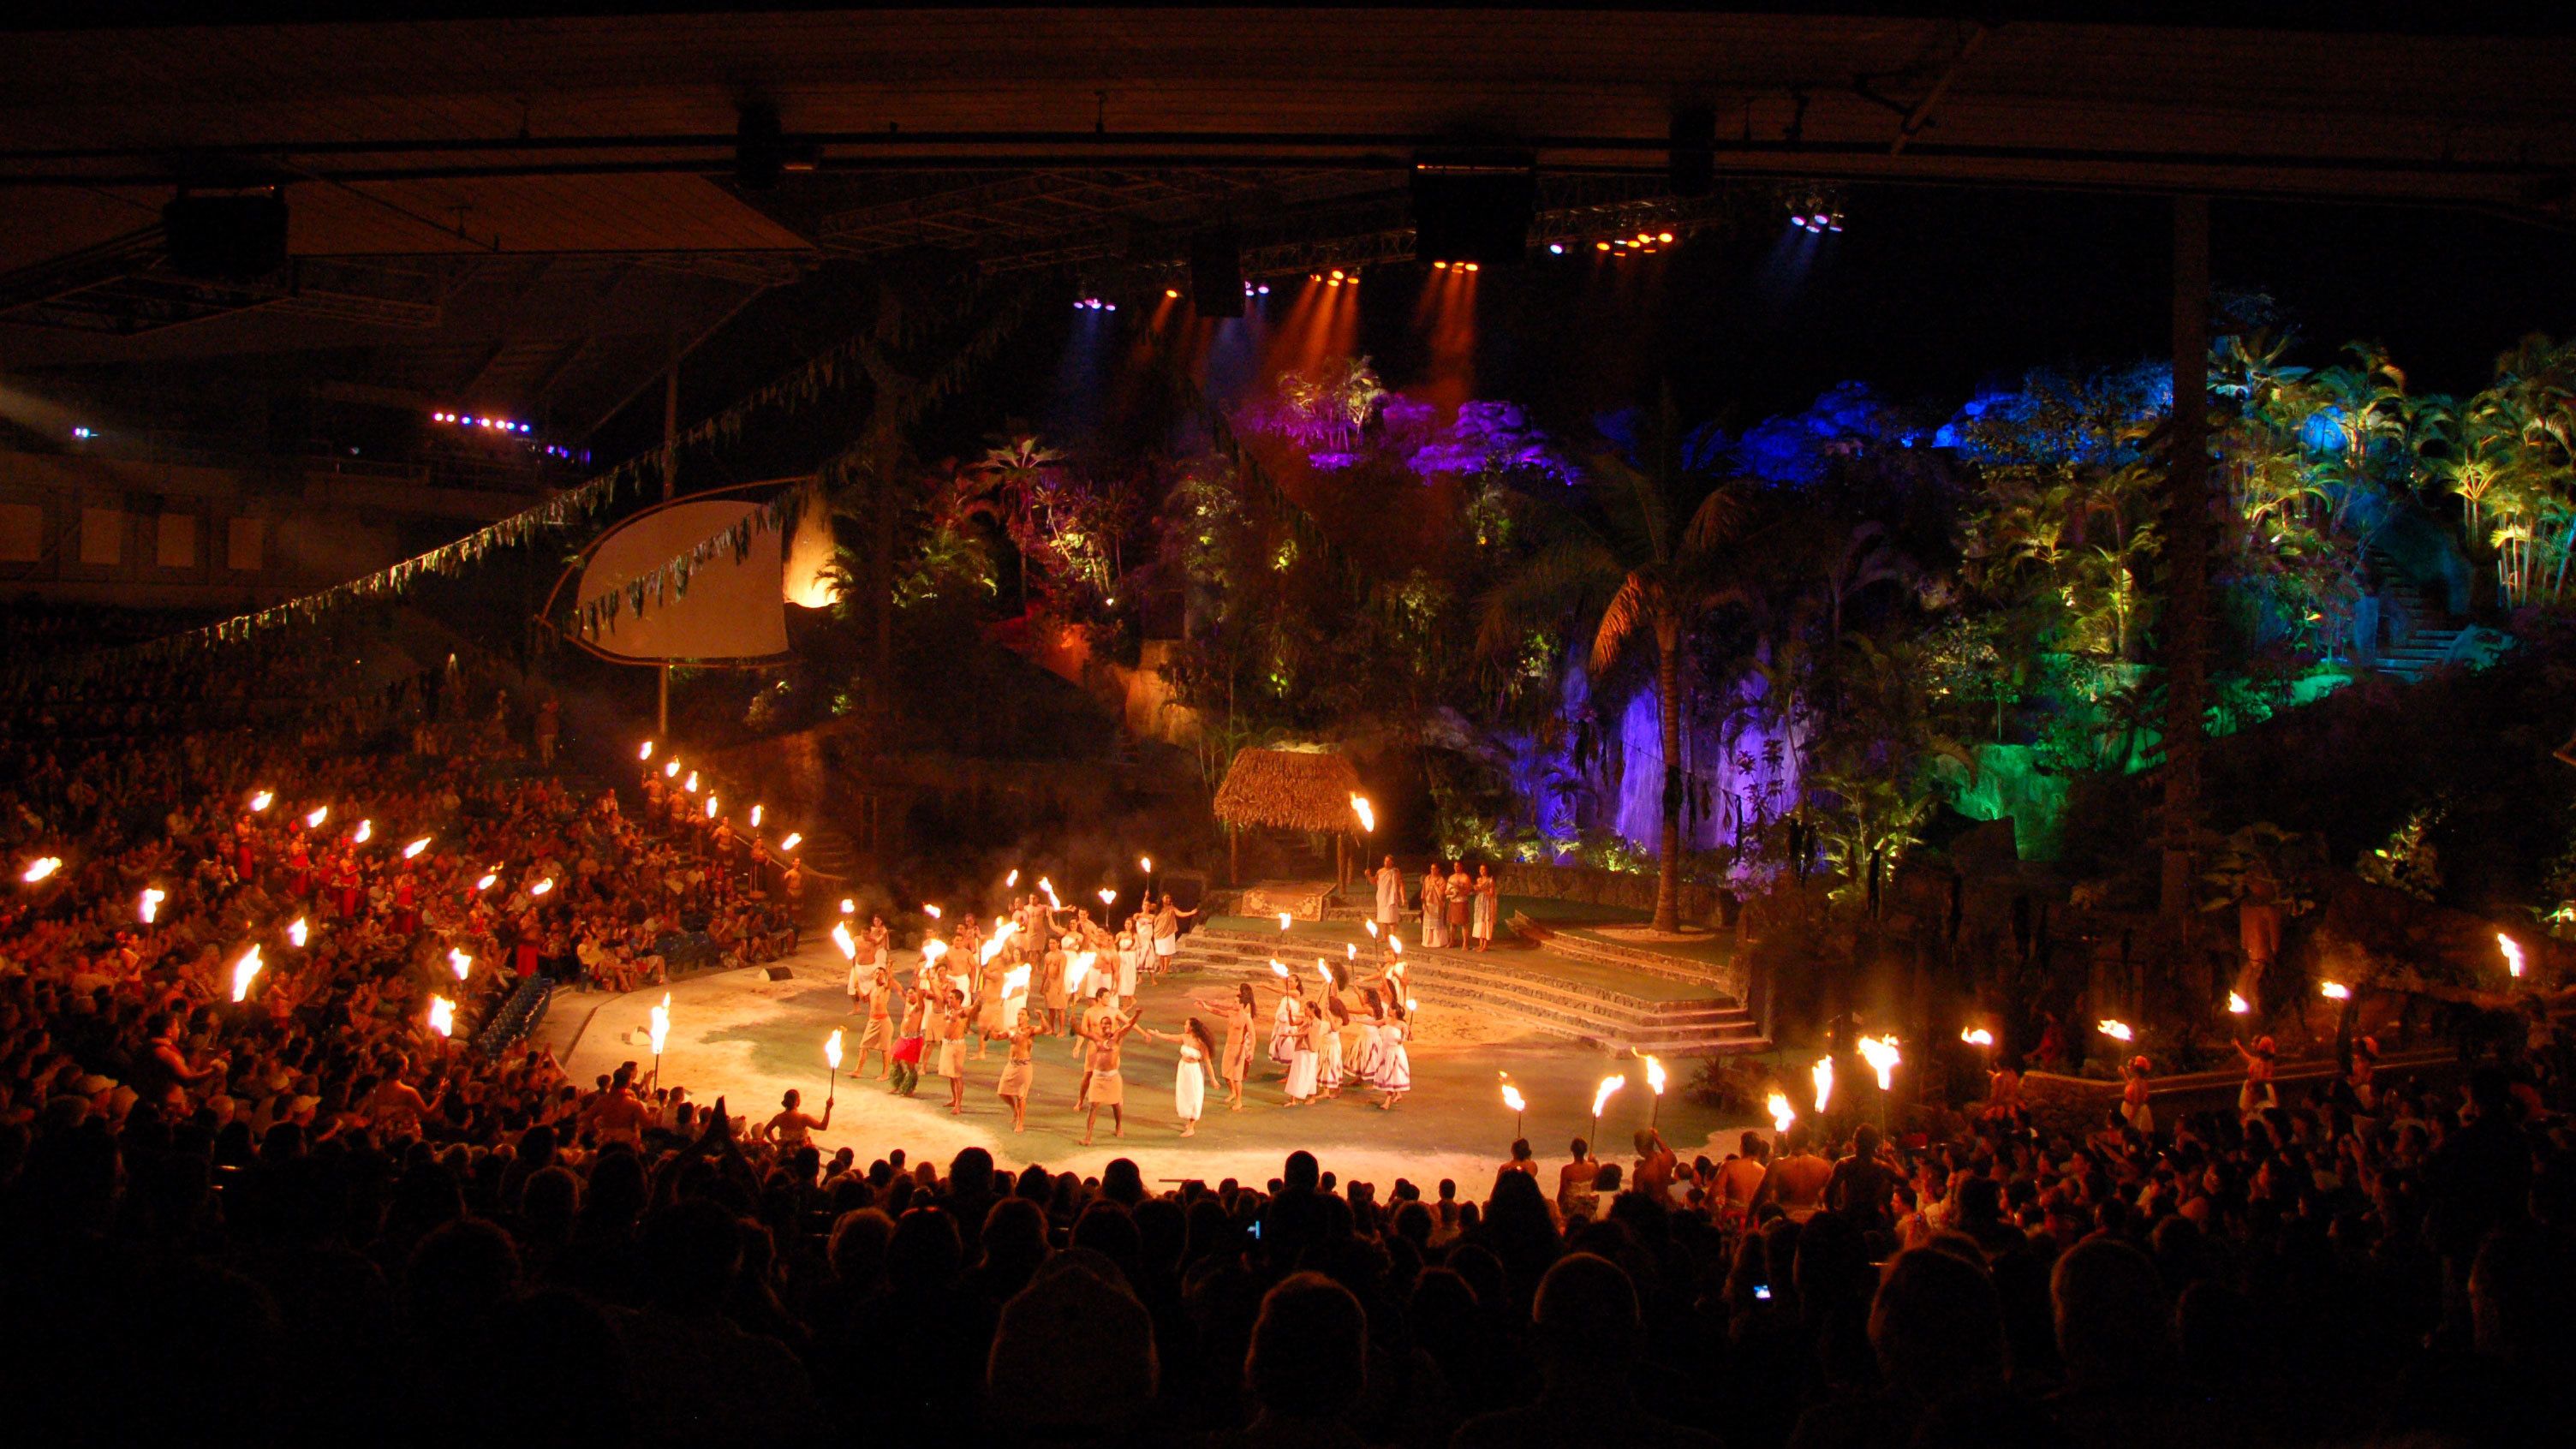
[{"x": 1815, "y": 210}]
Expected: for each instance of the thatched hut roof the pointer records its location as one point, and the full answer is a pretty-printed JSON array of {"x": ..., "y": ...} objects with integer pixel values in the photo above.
[{"x": 1288, "y": 789}]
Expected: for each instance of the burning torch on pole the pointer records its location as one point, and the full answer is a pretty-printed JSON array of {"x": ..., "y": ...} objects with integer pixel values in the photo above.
[{"x": 1518, "y": 1104}]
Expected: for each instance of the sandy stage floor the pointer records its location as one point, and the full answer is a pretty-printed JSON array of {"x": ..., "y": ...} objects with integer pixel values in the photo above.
[{"x": 737, "y": 1035}]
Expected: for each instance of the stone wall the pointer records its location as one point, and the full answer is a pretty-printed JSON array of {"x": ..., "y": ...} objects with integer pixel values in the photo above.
[
  {"x": 1699, "y": 904},
  {"x": 2071, "y": 1105}
]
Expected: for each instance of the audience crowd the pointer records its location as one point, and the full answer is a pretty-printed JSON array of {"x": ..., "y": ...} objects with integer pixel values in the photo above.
[{"x": 307, "y": 1214}]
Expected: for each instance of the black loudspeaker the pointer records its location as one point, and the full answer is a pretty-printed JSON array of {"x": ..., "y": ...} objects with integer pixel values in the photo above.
[
  {"x": 1691, "y": 163},
  {"x": 776, "y": 973},
  {"x": 225, "y": 238},
  {"x": 1216, "y": 274},
  {"x": 1473, "y": 212}
]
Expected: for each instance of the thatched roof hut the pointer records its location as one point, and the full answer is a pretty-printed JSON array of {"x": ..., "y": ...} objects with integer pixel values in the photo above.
[{"x": 1288, "y": 790}]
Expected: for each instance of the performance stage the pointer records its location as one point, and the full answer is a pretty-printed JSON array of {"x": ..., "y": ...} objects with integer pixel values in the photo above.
[{"x": 737, "y": 1035}]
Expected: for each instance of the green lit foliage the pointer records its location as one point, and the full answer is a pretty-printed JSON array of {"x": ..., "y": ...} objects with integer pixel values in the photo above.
[{"x": 2409, "y": 861}]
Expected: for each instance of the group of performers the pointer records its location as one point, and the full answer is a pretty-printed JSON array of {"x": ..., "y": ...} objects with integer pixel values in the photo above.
[{"x": 1044, "y": 971}]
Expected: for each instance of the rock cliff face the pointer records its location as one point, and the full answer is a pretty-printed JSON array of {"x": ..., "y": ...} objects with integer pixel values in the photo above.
[{"x": 2362, "y": 933}]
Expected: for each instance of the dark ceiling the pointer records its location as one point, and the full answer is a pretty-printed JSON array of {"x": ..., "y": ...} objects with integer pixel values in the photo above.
[{"x": 534, "y": 214}]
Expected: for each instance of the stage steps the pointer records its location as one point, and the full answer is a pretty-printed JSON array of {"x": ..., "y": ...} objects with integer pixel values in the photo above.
[{"x": 1519, "y": 989}]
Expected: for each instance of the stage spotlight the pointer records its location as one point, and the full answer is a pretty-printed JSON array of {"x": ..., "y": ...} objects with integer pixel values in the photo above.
[
  {"x": 225, "y": 238},
  {"x": 1473, "y": 209},
  {"x": 1690, "y": 160},
  {"x": 1216, "y": 273}
]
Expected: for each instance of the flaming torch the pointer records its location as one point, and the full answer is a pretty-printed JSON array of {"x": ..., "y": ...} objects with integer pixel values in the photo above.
[
  {"x": 150, "y": 905},
  {"x": 485, "y": 883},
  {"x": 2238, "y": 1005},
  {"x": 841, "y": 938},
  {"x": 792, "y": 841},
  {"x": 1977, "y": 1036},
  {"x": 2115, "y": 1029},
  {"x": 262, "y": 801},
  {"x": 1277, "y": 969},
  {"x": 296, "y": 933},
  {"x": 1601, "y": 1096},
  {"x": 1106, "y": 896},
  {"x": 313, "y": 818},
  {"x": 1782, "y": 1114},
  {"x": 365, "y": 832},
  {"x": 1655, "y": 1081},
  {"x": 711, "y": 807},
  {"x": 993, "y": 947},
  {"x": 1367, "y": 813},
  {"x": 1047, "y": 888},
  {"x": 541, "y": 887},
  {"x": 850, "y": 907},
  {"x": 40, "y": 868},
  {"x": 1880, "y": 1053},
  {"x": 442, "y": 1016},
  {"x": 1822, "y": 1074},
  {"x": 756, "y": 812},
  {"x": 1011, "y": 880},
  {"x": 690, "y": 784},
  {"x": 1145, "y": 863},
  {"x": 644, "y": 751},
  {"x": 832, "y": 1058},
  {"x": 1512, "y": 1099},
  {"x": 2334, "y": 991},
  {"x": 931, "y": 911},
  {"x": 932, "y": 949},
  {"x": 2512, "y": 954},
  {"x": 1284, "y": 918},
  {"x": 413, "y": 850},
  {"x": 244, "y": 971},
  {"x": 461, "y": 963},
  {"x": 671, "y": 770}
]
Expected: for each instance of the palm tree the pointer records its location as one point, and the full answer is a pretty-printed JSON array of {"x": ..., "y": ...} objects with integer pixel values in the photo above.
[{"x": 1651, "y": 561}]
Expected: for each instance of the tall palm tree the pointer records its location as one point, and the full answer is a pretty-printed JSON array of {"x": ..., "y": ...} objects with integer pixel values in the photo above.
[{"x": 1651, "y": 558}]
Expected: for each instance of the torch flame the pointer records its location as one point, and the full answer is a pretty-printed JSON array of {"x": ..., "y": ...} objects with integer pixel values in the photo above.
[
  {"x": 792, "y": 841},
  {"x": 1015, "y": 982},
  {"x": 365, "y": 832},
  {"x": 485, "y": 883},
  {"x": 1655, "y": 1075},
  {"x": 832, "y": 1049},
  {"x": 1278, "y": 970},
  {"x": 2512, "y": 954},
  {"x": 1012, "y": 879},
  {"x": 442, "y": 1016},
  {"x": 243, "y": 971},
  {"x": 1977, "y": 1036},
  {"x": 933, "y": 949},
  {"x": 2334, "y": 991},
  {"x": 1602, "y": 1094},
  {"x": 541, "y": 887},
  {"x": 463, "y": 963},
  {"x": 1107, "y": 895},
  {"x": 1512, "y": 1098},
  {"x": 1284, "y": 918},
  {"x": 1350, "y": 951},
  {"x": 841, "y": 938},
  {"x": 1076, "y": 967},
  {"x": 1881, "y": 1054},
  {"x": 295, "y": 932},
  {"x": 150, "y": 905},
  {"x": 671, "y": 770},
  {"x": 644, "y": 751},
  {"x": 1782, "y": 1114},
  {"x": 1822, "y": 1074},
  {"x": 41, "y": 867},
  {"x": 1047, "y": 888},
  {"x": 931, "y": 911},
  {"x": 2238, "y": 1005},
  {"x": 1145, "y": 863},
  {"x": 261, "y": 801},
  {"x": 1366, "y": 812},
  {"x": 313, "y": 819},
  {"x": 690, "y": 784},
  {"x": 756, "y": 812},
  {"x": 1371, "y": 928},
  {"x": 413, "y": 850},
  {"x": 1395, "y": 943},
  {"x": 993, "y": 947},
  {"x": 711, "y": 807},
  {"x": 661, "y": 1028},
  {"x": 2114, "y": 1029}
]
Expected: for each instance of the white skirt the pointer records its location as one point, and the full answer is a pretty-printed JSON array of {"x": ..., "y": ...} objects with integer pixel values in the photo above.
[
  {"x": 1127, "y": 973},
  {"x": 1395, "y": 1069},
  {"x": 1301, "y": 1075},
  {"x": 1367, "y": 1055},
  {"x": 1189, "y": 1090}
]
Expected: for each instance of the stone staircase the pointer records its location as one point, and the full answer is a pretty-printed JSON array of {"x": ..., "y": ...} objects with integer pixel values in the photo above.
[
  {"x": 1522, "y": 990},
  {"x": 2429, "y": 637}
]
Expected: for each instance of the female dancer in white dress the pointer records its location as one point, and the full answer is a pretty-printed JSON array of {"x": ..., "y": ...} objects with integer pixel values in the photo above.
[
  {"x": 1190, "y": 1077},
  {"x": 1366, "y": 1057},
  {"x": 1332, "y": 1017},
  {"x": 1395, "y": 1075},
  {"x": 1288, "y": 1022},
  {"x": 1303, "y": 1063}
]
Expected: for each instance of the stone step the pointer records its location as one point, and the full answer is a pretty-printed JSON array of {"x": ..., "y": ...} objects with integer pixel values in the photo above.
[{"x": 1253, "y": 955}]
